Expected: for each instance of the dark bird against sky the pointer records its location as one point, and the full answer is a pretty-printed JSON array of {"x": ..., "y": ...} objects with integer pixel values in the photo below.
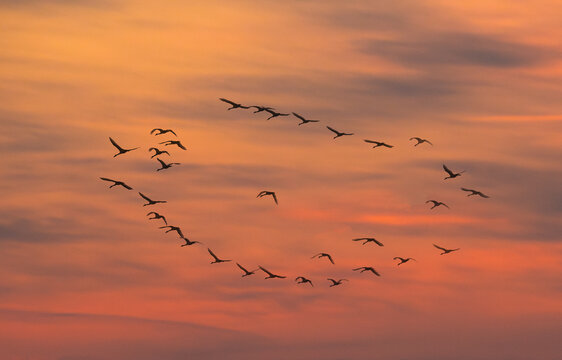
[
  {"x": 266, "y": 193},
  {"x": 475, "y": 192},
  {"x": 261, "y": 108},
  {"x": 320, "y": 255},
  {"x": 378, "y": 143},
  {"x": 117, "y": 183},
  {"x": 338, "y": 133},
  {"x": 451, "y": 175},
  {"x": 164, "y": 165},
  {"x": 216, "y": 259},
  {"x": 234, "y": 105},
  {"x": 173, "y": 228},
  {"x": 150, "y": 201},
  {"x": 420, "y": 141},
  {"x": 155, "y": 216},
  {"x": 303, "y": 280},
  {"x": 174, "y": 142},
  {"x": 274, "y": 114},
  {"x": 158, "y": 152},
  {"x": 336, "y": 282},
  {"x": 270, "y": 274},
  {"x": 436, "y": 204},
  {"x": 445, "y": 251},
  {"x": 119, "y": 148},
  {"x": 303, "y": 120},
  {"x": 368, "y": 240},
  {"x": 159, "y": 131},
  {"x": 367, "y": 268},
  {"x": 246, "y": 272},
  {"x": 403, "y": 260}
]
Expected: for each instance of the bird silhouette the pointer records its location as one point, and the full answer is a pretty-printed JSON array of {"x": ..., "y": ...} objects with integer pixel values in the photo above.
[
  {"x": 475, "y": 192},
  {"x": 378, "y": 143},
  {"x": 367, "y": 240},
  {"x": 246, "y": 272},
  {"x": 174, "y": 142},
  {"x": 452, "y": 175},
  {"x": 319, "y": 255},
  {"x": 121, "y": 150},
  {"x": 173, "y": 228},
  {"x": 270, "y": 274},
  {"x": 157, "y": 216},
  {"x": 234, "y": 105},
  {"x": 150, "y": 201},
  {"x": 159, "y": 131},
  {"x": 336, "y": 282},
  {"x": 303, "y": 120},
  {"x": 403, "y": 260},
  {"x": 420, "y": 141},
  {"x": 303, "y": 280},
  {"x": 164, "y": 165},
  {"x": 261, "y": 108},
  {"x": 445, "y": 251},
  {"x": 338, "y": 134},
  {"x": 265, "y": 193},
  {"x": 217, "y": 260},
  {"x": 436, "y": 204},
  {"x": 158, "y": 152},
  {"x": 274, "y": 114},
  {"x": 117, "y": 183},
  {"x": 367, "y": 268},
  {"x": 189, "y": 242}
]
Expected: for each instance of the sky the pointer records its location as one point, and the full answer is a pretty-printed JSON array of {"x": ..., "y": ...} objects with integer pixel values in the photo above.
[{"x": 84, "y": 275}]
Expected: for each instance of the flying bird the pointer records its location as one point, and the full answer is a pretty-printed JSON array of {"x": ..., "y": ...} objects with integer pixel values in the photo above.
[
  {"x": 475, "y": 192},
  {"x": 117, "y": 183},
  {"x": 265, "y": 193},
  {"x": 234, "y": 105},
  {"x": 452, "y": 175},
  {"x": 403, "y": 260},
  {"x": 164, "y": 165},
  {"x": 323, "y": 255},
  {"x": 303, "y": 120},
  {"x": 336, "y": 282},
  {"x": 303, "y": 280},
  {"x": 378, "y": 143},
  {"x": 367, "y": 268},
  {"x": 271, "y": 275},
  {"x": 189, "y": 242},
  {"x": 367, "y": 240},
  {"x": 436, "y": 204},
  {"x": 420, "y": 141},
  {"x": 217, "y": 260},
  {"x": 121, "y": 150},
  {"x": 445, "y": 251},
  {"x": 162, "y": 131},
  {"x": 157, "y": 216},
  {"x": 246, "y": 272},
  {"x": 158, "y": 152},
  {"x": 174, "y": 142},
  {"x": 261, "y": 108},
  {"x": 274, "y": 114},
  {"x": 338, "y": 134},
  {"x": 150, "y": 201},
  {"x": 173, "y": 228}
]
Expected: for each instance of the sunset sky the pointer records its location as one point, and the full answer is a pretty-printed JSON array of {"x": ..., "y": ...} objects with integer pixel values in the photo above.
[{"x": 84, "y": 275}]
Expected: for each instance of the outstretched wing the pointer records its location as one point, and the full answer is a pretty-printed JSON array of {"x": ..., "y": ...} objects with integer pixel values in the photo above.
[
  {"x": 447, "y": 170},
  {"x": 155, "y": 130},
  {"x": 212, "y": 254},
  {"x": 115, "y": 144},
  {"x": 300, "y": 117},
  {"x": 228, "y": 102},
  {"x": 330, "y": 258},
  {"x": 265, "y": 271},
  {"x": 145, "y": 197},
  {"x": 333, "y": 130},
  {"x": 161, "y": 162},
  {"x": 181, "y": 146},
  {"x": 106, "y": 179},
  {"x": 370, "y": 141},
  {"x": 439, "y": 247},
  {"x": 469, "y": 190},
  {"x": 243, "y": 269},
  {"x": 378, "y": 242},
  {"x": 274, "y": 198},
  {"x": 126, "y": 186}
]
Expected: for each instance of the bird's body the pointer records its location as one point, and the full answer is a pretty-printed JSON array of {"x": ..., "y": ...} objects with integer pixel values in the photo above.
[
  {"x": 303, "y": 120},
  {"x": 403, "y": 260},
  {"x": 158, "y": 152},
  {"x": 378, "y": 143},
  {"x": 475, "y": 192},
  {"x": 189, "y": 242},
  {"x": 157, "y": 216},
  {"x": 174, "y": 142},
  {"x": 246, "y": 272},
  {"x": 274, "y": 114},
  {"x": 261, "y": 108},
  {"x": 451, "y": 175},
  {"x": 216, "y": 259},
  {"x": 436, "y": 204},
  {"x": 162, "y": 131},
  {"x": 164, "y": 165},
  {"x": 119, "y": 148},
  {"x": 266, "y": 193},
  {"x": 368, "y": 240},
  {"x": 367, "y": 268},
  {"x": 420, "y": 141},
  {"x": 233, "y": 104},
  {"x": 445, "y": 251},
  {"x": 150, "y": 201},
  {"x": 117, "y": 183},
  {"x": 173, "y": 228},
  {"x": 336, "y": 282},
  {"x": 319, "y": 255},
  {"x": 303, "y": 280},
  {"x": 338, "y": 133},
  {"x": 270, "y": 274}
]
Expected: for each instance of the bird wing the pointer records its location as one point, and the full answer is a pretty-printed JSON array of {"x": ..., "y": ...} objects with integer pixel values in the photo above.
[
  {"x": 447, "y": 170},
  {"x": 152, "y": 212},
  {"x": 316, "y": 255},
  {"x": 483, "y": 195},
  {"x": 274, "y": 198},
  {"x": 429, "y": 142},
  {"x": 126, "y": 186},
  {"x": 333, "y": 130},
  {"x": 181, "y": 146},
  {"x": 445, "y": 205},
  {"x": 375, "y": 272},
  {"x": 398, "y": 258},
  {"x": 161, "y": 162},
  {"x": 415, "y": 138},
  {"x": 388, "y": 146},
  {"x": 359, "y": 268},
  {"x": 172, "y": 131},
  {"x": 265, "y": 271},
  {"x": 439, "y": 247},
  {"x": 115, "y": 144},
  {"x": 243, "y": 269},
  {"x": 378, "y": 242},
  {"x": 167, "y": 142},
  {"x": 145, "y": 197},
  {"x": 465, "y": 189},
  {"x": 300, "y": 117},
  {"x": 370, "y": 141},
  {"x": 106, "y": 179},
  {"x": 228, "y": 101},
  {"x": 358, "y": 239},
  {"x": 212, "y": 254},
  {"x": 333, "y": 281},
  {"x": 155, "y": 130},
  {"x": 330, "y": 258}
]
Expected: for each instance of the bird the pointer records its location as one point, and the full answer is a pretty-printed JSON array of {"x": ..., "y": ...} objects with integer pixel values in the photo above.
[
  {"x": 158, "y": 152},
  {"x": 189, "y": 242},
  {"x": 303, "y": 120},
  {"x": 452, "y": 175},
  {"x": 217, "y": 260},
  {"x": 174, "y": 142},
  {"x": 303, "y": 280},
  {"x": 336, "y": 282},
  {"x": 121, "y": 150},
  {"x": 234, "y": 105},
  {"x": 367, "y": 268},
  {"x": 150, "y": 201},
  {"x": 164, "y": 165},
  {"x": 367, "y": 240},
  {"x": 338, "y": 134},
  {"x": 265, "y": 193},
  {"x": 403, "y": 260},
  {"x": 445, "y": 251},
  {"x": 246, "y": 272},
  {"x": 173, "y": 228},
  {"x": 261, "y": 108},
  {"x": 475, "y": 192},
  {"x": 436, "y": 204},
  {"x": 420, "y": 141},
  {"x": 274, "y": 114},
  {"x": 117, "y": 183},
  {"x": 319, "y": 255},
  {"x": 157, "y": 216},
  {"x": 271, "y": 275},
  {"x": 159, "y": 131},
  {"x": 378, "y": 143}
]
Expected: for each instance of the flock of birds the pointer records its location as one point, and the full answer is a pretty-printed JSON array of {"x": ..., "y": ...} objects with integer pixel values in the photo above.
[{"x": 153, "y": 215}]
